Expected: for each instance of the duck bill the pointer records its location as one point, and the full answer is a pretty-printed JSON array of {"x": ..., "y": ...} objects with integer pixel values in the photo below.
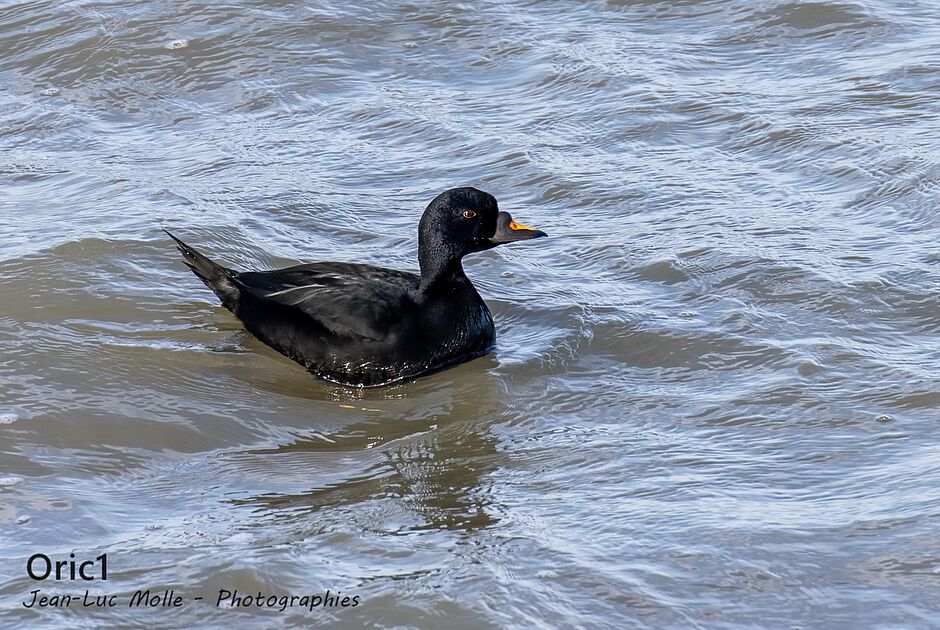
[{"x": 508, "y": 231}]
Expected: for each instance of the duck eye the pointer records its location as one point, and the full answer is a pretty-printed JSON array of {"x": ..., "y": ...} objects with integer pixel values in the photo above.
[{"x": 469, "y": 214}]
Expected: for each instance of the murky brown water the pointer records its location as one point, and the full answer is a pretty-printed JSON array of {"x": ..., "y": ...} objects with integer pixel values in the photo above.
[{"x": 715, "y": 396}]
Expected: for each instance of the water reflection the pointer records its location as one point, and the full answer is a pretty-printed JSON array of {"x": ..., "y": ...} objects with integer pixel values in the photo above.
[{"x": 420, "y": 451}]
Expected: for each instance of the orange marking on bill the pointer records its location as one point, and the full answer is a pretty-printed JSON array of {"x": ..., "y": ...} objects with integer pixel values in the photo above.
[{"x": 518, "y": 226}]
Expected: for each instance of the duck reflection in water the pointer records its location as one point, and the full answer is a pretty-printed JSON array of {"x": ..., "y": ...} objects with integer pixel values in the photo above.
[{"x": 432, "y": 465}]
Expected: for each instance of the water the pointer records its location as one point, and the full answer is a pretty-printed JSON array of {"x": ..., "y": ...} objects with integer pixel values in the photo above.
[{"x": 714, "y": 401}]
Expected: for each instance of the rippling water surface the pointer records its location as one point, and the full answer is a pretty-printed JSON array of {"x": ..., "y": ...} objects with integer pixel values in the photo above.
[{"x": 715, "y": 396}]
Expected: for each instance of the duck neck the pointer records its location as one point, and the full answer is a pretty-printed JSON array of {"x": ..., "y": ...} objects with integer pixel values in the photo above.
[{"x": 437, "y": 270}]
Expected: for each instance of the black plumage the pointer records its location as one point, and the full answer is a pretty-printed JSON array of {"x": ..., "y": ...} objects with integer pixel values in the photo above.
[{"x": 366, "y": 326}]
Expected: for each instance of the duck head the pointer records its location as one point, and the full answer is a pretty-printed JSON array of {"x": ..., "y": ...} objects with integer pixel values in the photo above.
[{"x": 461, "y": 221}]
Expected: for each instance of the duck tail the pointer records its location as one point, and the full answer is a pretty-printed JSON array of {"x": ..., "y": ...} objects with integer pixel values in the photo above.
[{"x": 213, "y": 275}]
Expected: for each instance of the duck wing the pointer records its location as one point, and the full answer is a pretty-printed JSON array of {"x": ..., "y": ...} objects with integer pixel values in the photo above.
[{"x": 347, "y": 300}]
